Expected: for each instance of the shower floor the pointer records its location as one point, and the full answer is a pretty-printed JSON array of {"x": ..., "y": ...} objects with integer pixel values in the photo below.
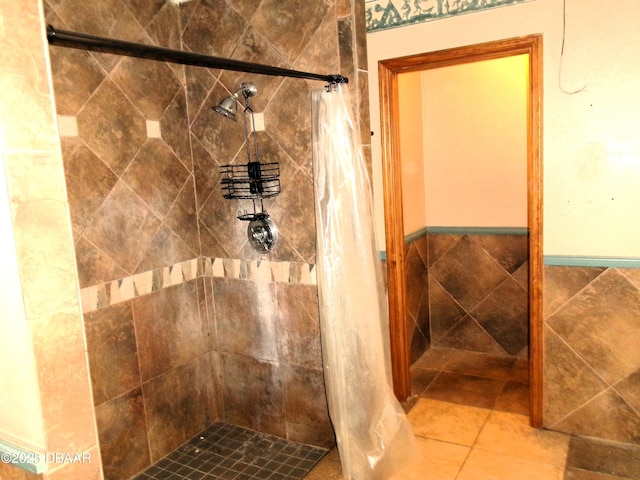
[{"x": 229, "y": 452}]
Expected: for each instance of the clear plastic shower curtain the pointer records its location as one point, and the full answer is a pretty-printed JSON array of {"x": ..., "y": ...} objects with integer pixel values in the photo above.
[{"x": 373, "y": 435}]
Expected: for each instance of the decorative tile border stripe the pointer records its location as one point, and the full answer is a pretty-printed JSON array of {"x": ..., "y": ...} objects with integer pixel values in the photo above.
[
  {"x": 384, "y": 14},
  {"x": 260, "y": 270},
  {"x": 117, "y": 291},
  {"x": 578, "y": 261}
]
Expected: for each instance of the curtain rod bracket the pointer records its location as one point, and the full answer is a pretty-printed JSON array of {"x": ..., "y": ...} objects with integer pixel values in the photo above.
[{"x": 335, "y": 79}]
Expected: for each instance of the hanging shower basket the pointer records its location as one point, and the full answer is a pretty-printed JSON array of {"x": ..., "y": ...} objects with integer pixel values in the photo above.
[
  {"x": 250, "y": 181},
  {"x": 254, "y": 180}
]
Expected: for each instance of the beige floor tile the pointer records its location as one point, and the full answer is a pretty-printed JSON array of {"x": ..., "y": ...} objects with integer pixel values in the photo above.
[
  {"x": 328, "y": 468},
  {"x": 484, "y": 465},
  {"x": 436, "y": 460},
  {"x": 448, "y": 422},
  {"x": 511, "y": 434}
]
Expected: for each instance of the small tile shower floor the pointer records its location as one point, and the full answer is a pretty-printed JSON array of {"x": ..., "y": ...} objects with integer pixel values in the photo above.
[
  {"x": 469, "y": 413},
  {"x": 229, "y": 452}
]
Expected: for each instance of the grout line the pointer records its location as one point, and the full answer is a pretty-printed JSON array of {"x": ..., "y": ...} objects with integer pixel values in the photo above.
[{"x": 463, "y": 463}]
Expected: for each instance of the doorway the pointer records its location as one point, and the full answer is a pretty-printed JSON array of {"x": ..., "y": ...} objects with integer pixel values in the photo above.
[{"x": 388, "y": 71}]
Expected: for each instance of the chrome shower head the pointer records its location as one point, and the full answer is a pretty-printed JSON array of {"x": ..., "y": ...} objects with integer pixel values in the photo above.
[{"x": 228, "y": 106}]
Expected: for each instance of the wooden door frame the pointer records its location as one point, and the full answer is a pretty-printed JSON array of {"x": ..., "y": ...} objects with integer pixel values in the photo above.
[{"x": 388, "y": 71}]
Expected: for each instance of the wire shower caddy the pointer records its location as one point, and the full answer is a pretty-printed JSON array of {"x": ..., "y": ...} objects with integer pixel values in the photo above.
[{"x": 253, "y": 180}]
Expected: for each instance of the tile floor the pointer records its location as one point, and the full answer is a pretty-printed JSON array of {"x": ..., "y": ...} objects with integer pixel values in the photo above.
[
  {"x": 227, "y": 452},
  {"x": 469, "y": 415}
]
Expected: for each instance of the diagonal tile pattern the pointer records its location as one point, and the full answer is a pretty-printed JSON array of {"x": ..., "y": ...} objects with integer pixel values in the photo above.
[
  {"x": 139, "y": 81},
  {"x": 108, "y": 18},
  {"x": 468, "y": 273},
  {"x": 468, "y": 292},
  {"x": 591, "y": 360},
  {"x": 156, "y": 244},
  {"x": 504, "y": 314},
  {"x": 564, "y": 367},
  {"x": 114, "y": 97},
  {"x": 213, "y": 28},
  {"x": 112, "y": 127},
  {"x": 89, "y": 181},
  {"x": 602, "y": 336},
  {"x": 478, "y": 275},
  {"x": 273, "y": 18},
  {"x": 156, "y": 176},
  {"x": 254, "y": 48},
  {"x": 123, "y": 227},
  {"x": 82, "y": 76}
]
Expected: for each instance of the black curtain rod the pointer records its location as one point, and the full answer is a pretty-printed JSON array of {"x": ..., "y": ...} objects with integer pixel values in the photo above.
[{"x": 84, "y": 41}]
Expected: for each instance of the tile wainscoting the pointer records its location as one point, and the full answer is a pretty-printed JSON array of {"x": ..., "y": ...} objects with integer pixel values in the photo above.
[
  {"x": 591, "y": 355},
  {"x": 467, "y": 289},
  {"x": 591, "y": 371}
]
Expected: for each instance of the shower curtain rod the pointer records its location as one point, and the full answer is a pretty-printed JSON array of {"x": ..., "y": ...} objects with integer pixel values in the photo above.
[{"x": 84, "y": 41}]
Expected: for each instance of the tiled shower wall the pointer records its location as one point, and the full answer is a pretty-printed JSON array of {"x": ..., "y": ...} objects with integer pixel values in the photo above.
[
  {"x": 167, "y": 364},
  {"x": 183, "y": 325},
  {"x": 468, "y": 291}
]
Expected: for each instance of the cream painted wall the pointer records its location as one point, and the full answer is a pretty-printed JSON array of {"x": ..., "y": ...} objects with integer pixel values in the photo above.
[
  {"x": 475, "y": 137},
  {"x": 411, "y": 151},
  {"x": 591, "y": 150}
]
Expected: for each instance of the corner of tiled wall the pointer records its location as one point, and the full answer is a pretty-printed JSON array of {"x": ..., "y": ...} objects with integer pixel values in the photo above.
[{"x": 129, "y": 270}]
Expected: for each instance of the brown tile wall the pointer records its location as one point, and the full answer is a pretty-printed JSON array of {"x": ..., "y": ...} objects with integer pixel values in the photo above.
[
  {"x": 591, "y": 369},
  {"x": 475, "y": 297},
  {"x": 591, "y": 354},
  {"x": 478, "y": 290},
  {"x": 165, "y": 364},
  {"x": 152, "y": 372},
  {"x": 417, "y": 281}
]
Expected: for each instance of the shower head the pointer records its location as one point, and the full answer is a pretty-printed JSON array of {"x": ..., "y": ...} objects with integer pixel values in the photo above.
[{"x": 228, "y": 106}]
